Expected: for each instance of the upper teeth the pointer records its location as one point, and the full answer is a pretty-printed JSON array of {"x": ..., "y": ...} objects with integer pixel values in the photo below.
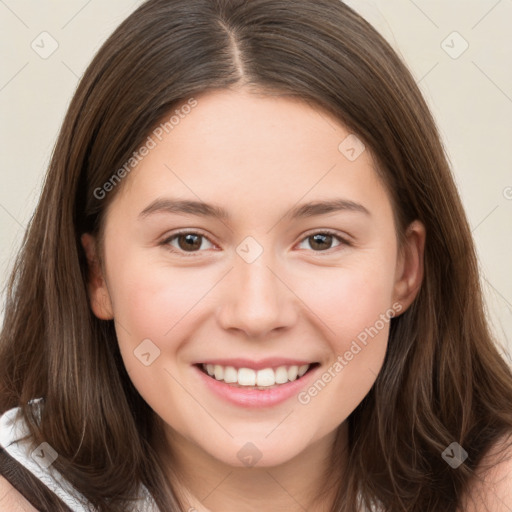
[{"x": 250, "y": 377}]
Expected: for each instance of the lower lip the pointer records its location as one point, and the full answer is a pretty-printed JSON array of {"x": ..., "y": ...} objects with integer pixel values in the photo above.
[{"x": 252, "y": 398}]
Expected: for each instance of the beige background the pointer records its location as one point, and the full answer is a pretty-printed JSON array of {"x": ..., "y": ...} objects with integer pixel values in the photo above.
[{"x": 469, "y": 91}]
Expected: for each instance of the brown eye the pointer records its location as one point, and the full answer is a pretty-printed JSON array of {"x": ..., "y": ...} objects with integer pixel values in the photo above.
[
  {"x": 322, "y": 241},
  {"x": 188, "y": 242},
  {"x": 191, "y": 242}
]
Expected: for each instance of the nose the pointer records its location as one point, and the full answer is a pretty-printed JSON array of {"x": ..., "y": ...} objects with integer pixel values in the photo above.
[{"x": 257, "y": 300}]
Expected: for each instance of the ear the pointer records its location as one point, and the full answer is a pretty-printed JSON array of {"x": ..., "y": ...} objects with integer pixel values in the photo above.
[
  {"x": 409, "y": 267},
  {"x": 99, "y": 296}
]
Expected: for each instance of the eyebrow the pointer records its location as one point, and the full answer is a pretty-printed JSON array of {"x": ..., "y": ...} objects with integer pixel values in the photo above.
[{"x": 199, "y": 208}]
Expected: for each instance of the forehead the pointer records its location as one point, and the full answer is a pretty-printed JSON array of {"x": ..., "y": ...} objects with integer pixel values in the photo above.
[{"x": 253, "y": 150}]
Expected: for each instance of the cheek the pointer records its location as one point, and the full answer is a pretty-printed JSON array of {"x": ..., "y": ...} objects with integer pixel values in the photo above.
[
  {"x": 347, "y": 300},
  {"x": 355, "y": 311},
  {"x": 151, "y": 299},
  {"x": 153, "y": 308}
]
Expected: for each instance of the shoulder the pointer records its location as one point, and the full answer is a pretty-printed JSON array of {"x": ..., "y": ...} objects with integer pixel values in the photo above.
[
  {"x": 11, "y": 499},
  {"x": 491, "y": 488}
]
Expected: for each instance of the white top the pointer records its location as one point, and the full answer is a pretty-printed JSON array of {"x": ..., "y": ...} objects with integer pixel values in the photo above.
[{"x": 13, "y": 428}]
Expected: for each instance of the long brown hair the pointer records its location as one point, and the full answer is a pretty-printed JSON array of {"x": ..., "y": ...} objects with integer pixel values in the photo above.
[{"x": 443, "y": 379}]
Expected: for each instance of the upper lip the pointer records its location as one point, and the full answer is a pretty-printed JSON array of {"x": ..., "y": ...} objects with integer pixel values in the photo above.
[{"x": 271, "y": 362}]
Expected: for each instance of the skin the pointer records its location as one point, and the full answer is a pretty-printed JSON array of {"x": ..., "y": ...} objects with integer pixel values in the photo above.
[{"x": 256, "y": 156}]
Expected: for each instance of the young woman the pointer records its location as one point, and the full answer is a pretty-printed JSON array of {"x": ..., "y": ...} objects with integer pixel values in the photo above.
[{"x": 250, "y": 283}]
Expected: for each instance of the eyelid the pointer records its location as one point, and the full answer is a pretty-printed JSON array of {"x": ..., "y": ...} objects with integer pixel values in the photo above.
[
  {"x": 190, "y": 231},
  {"x": 344, "y": 240},
  {"x": 342, "y": 236}
]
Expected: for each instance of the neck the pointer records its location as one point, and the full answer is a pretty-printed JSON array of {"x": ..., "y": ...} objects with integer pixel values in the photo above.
[{"x": 306, "y": 482}]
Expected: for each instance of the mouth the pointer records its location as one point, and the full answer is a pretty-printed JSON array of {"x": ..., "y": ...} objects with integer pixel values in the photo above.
[{"x": 258, "y": 379}]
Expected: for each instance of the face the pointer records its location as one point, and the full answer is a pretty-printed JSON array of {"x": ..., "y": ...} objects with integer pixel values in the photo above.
[{"x": 268, "y": 289}]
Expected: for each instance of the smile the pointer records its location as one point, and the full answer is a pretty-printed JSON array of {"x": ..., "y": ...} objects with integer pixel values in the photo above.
[
  {"x": 267, "y": 384},
  {"x": 264, "y": 378}
]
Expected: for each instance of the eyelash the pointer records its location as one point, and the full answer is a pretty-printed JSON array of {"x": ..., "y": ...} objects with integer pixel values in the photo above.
[{"x": 166, "y": 242}]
